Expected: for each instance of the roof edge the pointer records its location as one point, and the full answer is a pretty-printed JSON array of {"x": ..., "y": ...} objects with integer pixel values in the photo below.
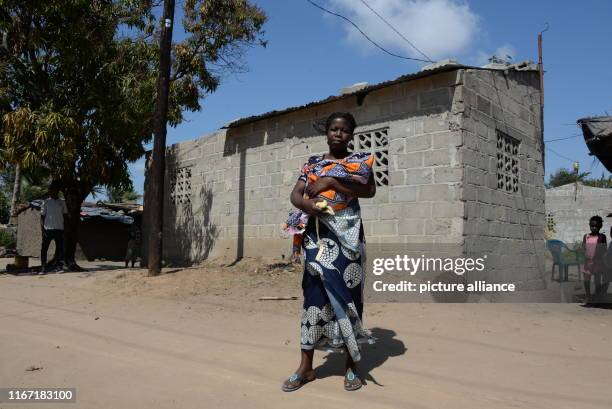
[{"x": 436, "y": 68}]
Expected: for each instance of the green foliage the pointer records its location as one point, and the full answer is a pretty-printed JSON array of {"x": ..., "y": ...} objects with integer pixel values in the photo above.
[
  {"x": 5, "y": 208},
  {"x": 119, "y": 195},
  {"x": 602, "y": 182},
  {"x": 219, "y": 32},
  {"x": 31, "y": 192},
  {"x": 79, "y": 99},
  {"x": 34, "y": 185},
  {"x": 74, "y": 116},
  {"x": 78, "y": 82},
  {"x": 7, "y": 238},
  {"x": 565, "y": 176}
]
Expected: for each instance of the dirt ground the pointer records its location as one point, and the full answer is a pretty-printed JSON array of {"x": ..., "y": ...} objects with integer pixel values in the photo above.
[{"x": 201, "y": 338}]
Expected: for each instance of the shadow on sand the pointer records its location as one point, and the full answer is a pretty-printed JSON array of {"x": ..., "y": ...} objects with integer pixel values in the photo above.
[{"x": 373, "y": 356}]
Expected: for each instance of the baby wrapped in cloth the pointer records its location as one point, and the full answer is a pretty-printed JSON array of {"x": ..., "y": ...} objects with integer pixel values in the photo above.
[{"x": 355, "y": 168}]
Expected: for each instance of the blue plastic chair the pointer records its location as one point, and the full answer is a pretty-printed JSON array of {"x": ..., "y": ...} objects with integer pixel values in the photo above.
[{"x": 563, "y": 257}]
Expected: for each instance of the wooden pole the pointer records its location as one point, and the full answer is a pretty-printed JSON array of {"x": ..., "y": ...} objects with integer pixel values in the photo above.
[
  {"x": 158, "y": 164},
  {"x": 541, "y": 70},
  {"x": 576, "y": 166}
]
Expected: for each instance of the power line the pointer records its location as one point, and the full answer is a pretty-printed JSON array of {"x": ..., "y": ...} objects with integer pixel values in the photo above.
[
  {"x": 364, "y": 34},
  {"x": 561, "y": 156},
  {"x": 562, "y": 139},
  {"x": 394, "y": 29}
]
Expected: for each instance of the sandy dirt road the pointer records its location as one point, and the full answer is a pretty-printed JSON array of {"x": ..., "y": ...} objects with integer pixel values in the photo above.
[{"x": 201, "y": 339}]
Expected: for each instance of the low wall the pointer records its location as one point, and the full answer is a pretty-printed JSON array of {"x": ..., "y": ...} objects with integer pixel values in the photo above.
[{"x": 569, "y": 210}]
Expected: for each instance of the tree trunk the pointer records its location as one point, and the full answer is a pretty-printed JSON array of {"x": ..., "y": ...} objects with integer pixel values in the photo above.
[
  {"x": 74, "y": 198},
  {"x": 16, "y": 190}
]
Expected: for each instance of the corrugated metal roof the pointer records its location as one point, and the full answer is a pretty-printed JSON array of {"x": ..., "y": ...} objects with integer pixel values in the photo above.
[
  {"x": 597, "y": 133},
  {"x": 99, "y": 209},
  {"x": 436, "y": 68}
]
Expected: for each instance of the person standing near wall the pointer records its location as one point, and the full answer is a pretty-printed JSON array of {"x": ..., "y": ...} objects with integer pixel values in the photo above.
[
  {"x": 133, "y": 246},
  {"x": 52, "y": 226},
  {"x": 594, "y": 245},
  {"x": 607, "y": 276}
]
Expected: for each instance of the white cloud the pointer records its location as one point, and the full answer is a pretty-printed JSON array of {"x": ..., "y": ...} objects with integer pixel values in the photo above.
[{"x": 440, "y": 28}]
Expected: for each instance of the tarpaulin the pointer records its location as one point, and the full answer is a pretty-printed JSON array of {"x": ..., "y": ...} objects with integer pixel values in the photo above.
[{"x": 597, "y": 133}]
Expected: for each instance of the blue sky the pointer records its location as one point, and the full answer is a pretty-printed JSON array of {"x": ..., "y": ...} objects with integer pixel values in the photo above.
[{"x": 311, "y": 56}]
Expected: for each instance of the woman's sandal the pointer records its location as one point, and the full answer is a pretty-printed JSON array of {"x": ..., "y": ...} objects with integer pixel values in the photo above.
[
  {"x": 352, "y": 381},
  {"x": 295, "y": 382}
]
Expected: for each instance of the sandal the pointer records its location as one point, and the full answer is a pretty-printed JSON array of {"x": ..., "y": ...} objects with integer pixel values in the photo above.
[
  {"x": 295, "y": 382},
  {"x": 352, "y": 381}
]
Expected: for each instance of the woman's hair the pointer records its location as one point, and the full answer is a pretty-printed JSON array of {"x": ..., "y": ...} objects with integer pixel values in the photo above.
[
  {"x": 344, "y": 115},
  {"x": 596, "y": 219}
]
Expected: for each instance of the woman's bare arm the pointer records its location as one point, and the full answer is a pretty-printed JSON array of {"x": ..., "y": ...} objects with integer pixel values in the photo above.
[
  {"x": 305, "y": 205},
  {"x": 297, "y": 194}
]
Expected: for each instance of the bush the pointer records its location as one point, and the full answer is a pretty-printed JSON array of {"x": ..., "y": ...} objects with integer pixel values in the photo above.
[
  {"x": 4, "y": 209},
  {"x": 7, "y": 239}
]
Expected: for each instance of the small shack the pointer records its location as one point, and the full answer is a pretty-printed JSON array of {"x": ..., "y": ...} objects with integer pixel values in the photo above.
[{"x": 103, "y": 232}]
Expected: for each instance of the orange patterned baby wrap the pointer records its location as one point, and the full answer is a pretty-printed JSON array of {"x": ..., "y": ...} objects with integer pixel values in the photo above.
[{"x": 356, "y": 167}]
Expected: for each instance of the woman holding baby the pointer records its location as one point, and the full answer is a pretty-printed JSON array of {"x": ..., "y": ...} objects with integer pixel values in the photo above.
[{"x": 326, "y": 195}]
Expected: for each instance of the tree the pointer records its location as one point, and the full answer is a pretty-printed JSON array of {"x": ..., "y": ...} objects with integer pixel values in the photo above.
[
  {"x": 78, "y": 98},
  {"x": 565, "y": 176},
  {"x": 119, "y": 195},
  {"x": 602, "y": 182},
  {"x": 34, "y": 185},
  {"x": 4, "y": 208},
  {"x": 32, "y": 190}
]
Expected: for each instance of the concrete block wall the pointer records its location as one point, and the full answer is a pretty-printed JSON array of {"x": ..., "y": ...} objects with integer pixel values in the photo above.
[
  {"x": 29, "y": 235},
  {"x": 442, "y": 174},
  {"x": 507, "y": 226},
  {"x": 242, "y": 177},
  {"x": 190, "y": 229},
  {"x": 572, "y": 208}
]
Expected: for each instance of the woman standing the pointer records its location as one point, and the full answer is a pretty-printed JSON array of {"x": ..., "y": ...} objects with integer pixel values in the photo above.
[{"x": 333, "y": 244}]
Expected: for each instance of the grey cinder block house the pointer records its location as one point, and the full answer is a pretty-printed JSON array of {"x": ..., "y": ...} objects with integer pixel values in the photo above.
[{"x": 459, "y": 159}]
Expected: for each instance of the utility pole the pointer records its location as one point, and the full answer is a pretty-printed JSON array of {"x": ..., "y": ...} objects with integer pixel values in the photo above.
[
  {"x": 158, "y": 164},
  {"x": 576, "y": 166},
  {"x": 541, "y": 70}
]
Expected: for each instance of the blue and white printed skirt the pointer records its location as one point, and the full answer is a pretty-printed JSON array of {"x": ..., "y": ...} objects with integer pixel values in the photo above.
[{"x": 333, "y": 284}]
